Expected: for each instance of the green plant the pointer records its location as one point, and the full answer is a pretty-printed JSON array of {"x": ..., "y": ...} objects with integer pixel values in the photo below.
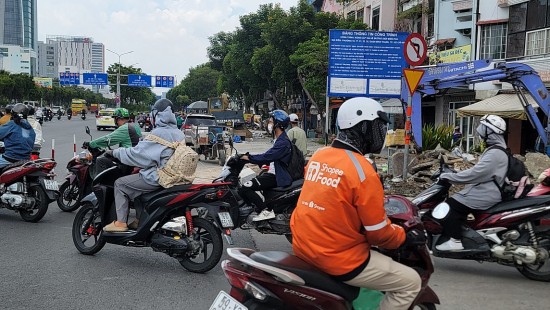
[
  {"x": 440, "y": 135},
  {"x": 478, "y": 148}
]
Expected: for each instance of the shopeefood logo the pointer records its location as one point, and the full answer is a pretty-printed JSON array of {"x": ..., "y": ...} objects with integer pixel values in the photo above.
[{"x": 324, "y": 174}]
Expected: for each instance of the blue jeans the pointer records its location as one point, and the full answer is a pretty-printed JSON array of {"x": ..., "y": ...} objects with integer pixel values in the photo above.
[{"x": 3, "y": 162}]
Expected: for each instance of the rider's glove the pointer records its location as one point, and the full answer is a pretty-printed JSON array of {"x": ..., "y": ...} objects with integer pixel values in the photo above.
[
  {"x": 86, "y": 145},
  {"x": 108, "y": 153},
  {"x": 443, "y": 182},
  {"x": 415, "y": 237}
]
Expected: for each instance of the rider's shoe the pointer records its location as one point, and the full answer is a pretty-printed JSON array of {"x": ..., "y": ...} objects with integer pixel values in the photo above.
[
  {"x": 450, "y": 245},
  {"x": 264, "y": 215},
  {"x": 113, "y": 228}
]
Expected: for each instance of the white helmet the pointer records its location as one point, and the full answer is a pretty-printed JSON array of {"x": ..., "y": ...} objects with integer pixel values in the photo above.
[
  {"x": 294, "y": 118},
  {"x": 356, "y": 110},
  {"x": 495, "y": 123}
]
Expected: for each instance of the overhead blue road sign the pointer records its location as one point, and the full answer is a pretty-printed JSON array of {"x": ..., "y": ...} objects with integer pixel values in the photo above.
[
  {"x": 94, "y": 79},
  {"x": 164, "y": 81},
  {"x": 138, "y": 80},
  {"x": 69, "y": 78},
  {"x": 365, "y": 63}
]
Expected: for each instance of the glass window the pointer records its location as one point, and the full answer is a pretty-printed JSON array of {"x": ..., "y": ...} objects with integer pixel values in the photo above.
[
  {"x": 106, "y": 112},
  {"x": 351, "y": 15},
  {"x": 493, "y": 41},
  {"x": 360, "y": 15},
  {"x": 536, "y": 43},
  {"x": 376, "y": 19},
  {"x": 515, "y": 46},
  {"x": 536, "y": 14},
  {"x": 518, "y": 17}
]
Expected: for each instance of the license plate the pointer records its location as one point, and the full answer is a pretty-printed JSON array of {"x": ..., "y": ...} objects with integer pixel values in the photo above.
[
  {"x": 225, "y": 219},
  {"x": 51, "y": 185},
  {"x": 225, "y": 302}
]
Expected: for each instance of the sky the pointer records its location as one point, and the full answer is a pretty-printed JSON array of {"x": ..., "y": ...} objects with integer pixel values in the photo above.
[{"x": 167, "y": 37}]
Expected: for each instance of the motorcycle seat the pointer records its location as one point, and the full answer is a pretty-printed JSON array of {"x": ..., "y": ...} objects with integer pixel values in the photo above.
[
  {"x": 13, "y": 165},
  {"x": 311, "y": 275},
  {"x": 293, "y": 185},
  {"x": 518, "y": 204}
]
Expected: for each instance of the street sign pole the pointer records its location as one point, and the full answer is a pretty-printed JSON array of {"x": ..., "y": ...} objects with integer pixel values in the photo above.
[
  {"x": 407, "y": 138},
  {"x": 118, "y": 84}
]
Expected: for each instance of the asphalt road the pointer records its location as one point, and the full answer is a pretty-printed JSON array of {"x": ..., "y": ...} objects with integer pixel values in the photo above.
[{"x": 41, "y": 269}]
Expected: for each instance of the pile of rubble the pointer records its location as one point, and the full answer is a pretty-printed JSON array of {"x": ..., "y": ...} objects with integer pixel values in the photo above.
[{"x": 422, "y": 166}]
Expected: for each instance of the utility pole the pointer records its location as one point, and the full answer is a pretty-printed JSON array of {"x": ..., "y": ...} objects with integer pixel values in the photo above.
[{"x": 118, "y": 76}]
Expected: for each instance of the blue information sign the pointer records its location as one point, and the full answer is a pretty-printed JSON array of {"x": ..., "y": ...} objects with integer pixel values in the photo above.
[
  {"x": 138, "y": 80},
  {"x": 69, "y": 78},
  {"x": 164, "y": 81},
  {"x": 365, "y": 63},
  {"x": 94, "y": 79}
]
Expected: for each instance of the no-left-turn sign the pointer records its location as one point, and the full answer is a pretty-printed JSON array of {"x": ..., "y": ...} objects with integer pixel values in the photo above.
[{"x": 415, "y": 49}]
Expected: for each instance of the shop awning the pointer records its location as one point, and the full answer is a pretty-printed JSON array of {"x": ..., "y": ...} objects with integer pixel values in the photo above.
[
  {"x": 503, "y": 105},
  {"x": 449, "y": 41}
]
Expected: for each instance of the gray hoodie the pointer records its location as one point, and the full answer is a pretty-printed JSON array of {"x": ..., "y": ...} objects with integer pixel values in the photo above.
[
  {"x": 481, "y": 193},
  {"x": 149, "y": 155}
]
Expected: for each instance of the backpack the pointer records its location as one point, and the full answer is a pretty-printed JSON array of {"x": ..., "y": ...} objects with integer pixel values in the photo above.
[
  {"x": 296, "y": 164},
  {"x": 516, "y": 182},
  {"x": 180, "y": 167}
]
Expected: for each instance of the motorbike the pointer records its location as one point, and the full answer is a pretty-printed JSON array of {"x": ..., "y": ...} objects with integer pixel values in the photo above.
[
  {"x": 141, "y": 123},
  {"x": 148, "y": 126},
  {"x": 511, "y": 233},
  {"x": 78, "y": 182},
  {"x": 279, "y": 280},
  {"x": 28, "y": 187},
  {"x": 83, "y": 116},
  {"x": 171, "y": 221},
  {"x": 69, "y": 116},
  {"x": 58, "y": 117},
  {"x": 229, "y": 211}
]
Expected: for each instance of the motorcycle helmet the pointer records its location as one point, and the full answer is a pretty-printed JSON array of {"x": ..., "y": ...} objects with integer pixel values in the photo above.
[
  {"x": 19, "y": 112},
  {"x": 363, "y": 124},
  {"x": 121, "y": 113},
  {"x": 31, "y": 109},
  {"x": 490, "y": 124},
  {"x": 8, "y": 108},
  {"x": 280, "y": 119},
  {"x": 159, "y": 106}
]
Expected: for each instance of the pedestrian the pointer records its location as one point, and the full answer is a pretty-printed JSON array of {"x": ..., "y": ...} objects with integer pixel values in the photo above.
[
  {"x": 297, "y": 135},
  {"x": 457, "y": 135}
]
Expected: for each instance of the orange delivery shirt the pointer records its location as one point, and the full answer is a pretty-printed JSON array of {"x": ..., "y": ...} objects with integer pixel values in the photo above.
[{"x": 340, "y": 213}]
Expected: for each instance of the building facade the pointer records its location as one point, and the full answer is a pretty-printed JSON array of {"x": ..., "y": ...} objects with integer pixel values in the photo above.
[
  {"x": 47, "y": 60},
  {"x": 16, "y": 59}
]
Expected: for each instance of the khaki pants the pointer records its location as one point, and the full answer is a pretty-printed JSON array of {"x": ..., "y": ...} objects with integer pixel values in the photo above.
[{"x": 400, "y": 283}]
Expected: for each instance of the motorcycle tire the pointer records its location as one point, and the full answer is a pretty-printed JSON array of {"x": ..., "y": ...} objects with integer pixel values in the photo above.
[
  {"x": 65, "y": 190},
  {"x": 206, "y": 233},
  {"x": 84, "y": 228},
  {"x": 289, "y": 238},
  {"x": 533, "y": 272},
  {"x": 41, "y": 205},
  {"x": 221, "y": 157}
]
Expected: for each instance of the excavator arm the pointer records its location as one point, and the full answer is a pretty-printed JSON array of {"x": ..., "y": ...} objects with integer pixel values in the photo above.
[{"x": 522, "y": 77}]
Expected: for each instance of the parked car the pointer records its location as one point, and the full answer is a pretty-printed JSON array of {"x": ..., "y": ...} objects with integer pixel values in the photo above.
[
  {"x": 56, "y": 108},
  {"x": 192, "y": 121},
  {"x": 105, "y": 119}
]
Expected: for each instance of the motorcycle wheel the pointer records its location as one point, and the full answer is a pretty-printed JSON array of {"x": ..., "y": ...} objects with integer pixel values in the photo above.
[
  {"x": 539, "y": 272},
  {"x": 210, "y": 239},
  {"x": 221, "y": 157},
  {"x": 87, "y": 227},
  {"x": 67, "y": 200},
  {"x": 40, "y": 206},
  {"x": 289, "y": 238}
]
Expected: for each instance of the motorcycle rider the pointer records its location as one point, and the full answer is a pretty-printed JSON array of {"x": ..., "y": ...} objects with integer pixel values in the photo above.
[
  {"x": 481, "y": 191},
  {"x": 69, "y": 111},
  {"x": 125, "y": 135},
  {"x": 340, "y": 212},
  {"x": 278, "y": 158},
  {"x": 18, "y": 137},
  {"x": 7, "y": 115},
  {"x": 147, "y": 155},
  {"x": 35, "y": 124}
]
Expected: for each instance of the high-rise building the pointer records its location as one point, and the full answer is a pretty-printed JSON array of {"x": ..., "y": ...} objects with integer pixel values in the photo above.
[
  {"x": 18, "y": 27},
  {"x": 81, "y": 54}
]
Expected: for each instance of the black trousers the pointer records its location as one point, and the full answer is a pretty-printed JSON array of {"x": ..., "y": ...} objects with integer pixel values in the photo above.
[
  {"x": 452, "y": 225},
  {"x": 261, "y": 182}
]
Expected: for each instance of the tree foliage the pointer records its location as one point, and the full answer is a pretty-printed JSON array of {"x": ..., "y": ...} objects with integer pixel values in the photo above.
[
  {"x": 129, "y": 95},
  {"x": 200, "y": 83}
]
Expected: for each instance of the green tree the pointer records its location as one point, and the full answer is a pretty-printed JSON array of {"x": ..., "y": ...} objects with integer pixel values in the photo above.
[
  {"x": 219, "y": 48},
  {"x": 129, "y": 95},
  {"x": 200, "y": 83}
]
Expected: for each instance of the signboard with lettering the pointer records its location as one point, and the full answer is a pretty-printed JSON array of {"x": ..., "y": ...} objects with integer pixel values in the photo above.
[
  {"x": 458, "y": 54},
  {"x": 43, "y": 82},
  {"x": 164, "y": 81},
  {"x": 69, "y": 78},
  {"x": 139, "y": 80},
  {"x": 95, "y": 79},
  {"x": 365, "y": 63}
]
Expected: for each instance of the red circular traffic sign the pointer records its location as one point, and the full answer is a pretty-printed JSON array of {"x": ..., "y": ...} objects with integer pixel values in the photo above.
[{"x": 415, "y": 49}]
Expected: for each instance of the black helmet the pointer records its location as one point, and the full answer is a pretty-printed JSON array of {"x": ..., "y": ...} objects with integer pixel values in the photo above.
[
  {"x": 161, "y": 105},
  {"x": 19, "y": 111},
  {"x": 280, "y": 119},
  {"x": 31, "y": 109},
  {"x": 8, "y": 108}
]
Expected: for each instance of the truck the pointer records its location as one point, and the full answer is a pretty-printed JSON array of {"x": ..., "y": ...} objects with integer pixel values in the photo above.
[{"x": 77, "y": 105}]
